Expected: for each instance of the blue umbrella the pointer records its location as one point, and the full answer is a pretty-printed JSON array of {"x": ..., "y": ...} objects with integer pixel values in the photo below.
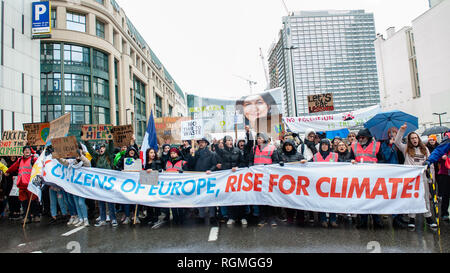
[{"x": 381, "y": 122}]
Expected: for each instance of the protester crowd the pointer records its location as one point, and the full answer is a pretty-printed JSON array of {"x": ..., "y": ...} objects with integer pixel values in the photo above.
[{"x": 226, "y": 154}]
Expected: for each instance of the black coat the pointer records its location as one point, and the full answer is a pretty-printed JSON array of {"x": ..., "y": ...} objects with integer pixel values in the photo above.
[
  {"x": 204, "y": 160},
  {"x": 293, "y": 155},
  {"x": 345, "y": 156},
  {"x": 155, "y": 165},
  {"x": 230, "y": 158}
]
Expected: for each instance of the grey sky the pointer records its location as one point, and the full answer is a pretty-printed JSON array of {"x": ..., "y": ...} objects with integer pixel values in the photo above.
[{"x": 204, "y": 43}]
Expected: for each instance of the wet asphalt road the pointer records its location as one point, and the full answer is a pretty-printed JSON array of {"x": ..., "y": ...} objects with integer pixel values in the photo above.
[{"x": 196, "y": 238}]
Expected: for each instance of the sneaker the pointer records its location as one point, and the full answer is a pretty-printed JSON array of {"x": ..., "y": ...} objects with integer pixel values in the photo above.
[
  {"x": 159, "y": 223},
  {"x": 108, "y": 219},
  {"x": 98, "y": 219},
  {"x": 71, "y": 220},
  {"x": 79, "y": 223},
  {"x": 334, "y": 224},
  {"x": 126, "y": 221},
  {"x": 86, "y": 222},
  {"x": 137, "y": 221},
  {"x": 36, "y": 219},
  {"x": 430, "y": 222},
  {"x": 273, "y": 223},
  {"x": 244, "y": 222},
  {"x": 76, "y": 221},
  {"x": 412, "y": 223},
  {"x": 100, "y": 223},
  {"x": 261, "y": 223},
  {"x": 230, "y": 222},
  {"x": 324, "y": 224},
  {"x": 114, "y": 223},
  {"x": 25, "y": 220}
]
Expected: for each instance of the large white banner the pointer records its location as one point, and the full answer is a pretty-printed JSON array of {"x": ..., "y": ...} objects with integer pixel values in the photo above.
[
  {"x": 324, "y": 187},
  {"x": 331, "y": 122}
]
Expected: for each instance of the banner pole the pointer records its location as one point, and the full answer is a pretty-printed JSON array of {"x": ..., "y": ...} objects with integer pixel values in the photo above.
[
  {"x": 28, "y": 210},
  {"x": 135, "y": 213}
]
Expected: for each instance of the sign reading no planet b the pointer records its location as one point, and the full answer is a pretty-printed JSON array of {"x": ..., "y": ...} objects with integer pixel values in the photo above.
[
  {"x": 192, "y": 129},
  {"x": 12, "y": 143}
]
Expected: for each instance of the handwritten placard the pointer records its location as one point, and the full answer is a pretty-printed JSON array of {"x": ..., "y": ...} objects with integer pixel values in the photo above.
[
  {"x": 148, "y": 178},
  {"x": 65, "y": 147},
  {"x": 122, "y": 134},
  {"x": 37, "y": 133},
  {"x": 59, "y": 127},
  {"x": 97, "y": 132},
  {"x": 12, "y": 143}
]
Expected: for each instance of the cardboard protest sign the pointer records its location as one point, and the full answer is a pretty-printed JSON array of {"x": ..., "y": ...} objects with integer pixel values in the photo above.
[
  {"x": 168, "y": 129},
  {"x": 12, "y": 143},
  {"x": 97, "y": 132},
  {"x": 132, "y": 165},
  {"x": 59, "y": 127},
  {"x": 320, "y": 103},
  {"x": 65, "y": 147},
  {"x": 37, "y": 133},
  {"x": 148, "y": 178},
  {"x": 192, "y": 129},
  {"x": 122, "y": 135}
]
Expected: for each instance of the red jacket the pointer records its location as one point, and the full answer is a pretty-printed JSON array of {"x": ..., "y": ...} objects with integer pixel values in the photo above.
[{"x": 23, "y": 167}]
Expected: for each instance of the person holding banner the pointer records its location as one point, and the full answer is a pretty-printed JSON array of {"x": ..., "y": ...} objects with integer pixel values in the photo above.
[
  {"x": 290, "y": 154},
  {"x": 132, "y": 152},
  {"x": 79, "y": 202},
  {"x": 152, "y": 163},
  {"x": 204, "y": 160},
  {"x": 264, "y": 153},
  {"x": 23, "y": 167},
  {"x": 416, "y": 153},
  {"x": 12, "y": 197},
  {"x": 343, "y": 153},
  {"x": 367, "y": 150},
  {"x": 231, "y": 158},
  {"x": 309, "y": 147},
  {"x": 103, "y": 159},
  {"x": 325, "y": 154},
  {"x": 175, "y": 164},
  {"x": 165, "y": 156}
]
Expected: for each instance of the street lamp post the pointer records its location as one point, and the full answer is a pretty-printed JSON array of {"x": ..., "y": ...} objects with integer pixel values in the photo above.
[
  {"x": 293, "y": 76},
  {"x": 440, "y": 114}
]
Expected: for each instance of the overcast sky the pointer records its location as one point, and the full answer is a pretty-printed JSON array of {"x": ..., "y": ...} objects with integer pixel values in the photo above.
[{"x": 204, "y": 44}]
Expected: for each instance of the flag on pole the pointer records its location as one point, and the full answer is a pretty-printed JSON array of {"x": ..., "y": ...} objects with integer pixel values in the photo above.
[{"x": 150, "y": 140}]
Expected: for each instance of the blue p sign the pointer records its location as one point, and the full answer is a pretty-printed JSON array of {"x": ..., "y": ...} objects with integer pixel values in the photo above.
[{"x": 41, "y": 17}]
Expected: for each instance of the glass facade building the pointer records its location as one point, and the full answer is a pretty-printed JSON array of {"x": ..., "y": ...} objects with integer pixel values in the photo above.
[{"x": 326, "y": 52}]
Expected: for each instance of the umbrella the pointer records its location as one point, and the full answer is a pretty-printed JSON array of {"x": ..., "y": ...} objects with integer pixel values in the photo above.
[
  {"x": 435, "y": 130},
  {"x": 381, "y": 122}
]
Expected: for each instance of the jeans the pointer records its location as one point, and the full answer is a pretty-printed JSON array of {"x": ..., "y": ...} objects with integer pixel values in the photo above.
[
  {"x": 81, "y": 207},
  {"x": 71, "y": 204},
  {"x": 323, "y": 217},
  {"x": 60, "y": 198},
  {"x": 225, "y": 211},
  {"x": 111, "y": 208}
]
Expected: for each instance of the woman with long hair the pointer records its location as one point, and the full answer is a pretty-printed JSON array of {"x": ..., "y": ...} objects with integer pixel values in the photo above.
[{"x": 416, "y": 153}]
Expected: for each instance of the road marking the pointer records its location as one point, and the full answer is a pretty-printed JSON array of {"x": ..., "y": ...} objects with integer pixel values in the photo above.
[
  {"x": 22, "y": 244},
  {"x": 213, "y": 234},
  {"x": 73, "y": 231},
  {"x": 37, "y": 252}
]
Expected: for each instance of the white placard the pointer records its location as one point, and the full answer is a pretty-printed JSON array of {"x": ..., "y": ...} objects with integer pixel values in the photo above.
[{"x": 192, "y": 129}]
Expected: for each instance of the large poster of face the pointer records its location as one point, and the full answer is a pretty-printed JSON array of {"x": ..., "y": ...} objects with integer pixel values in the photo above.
[{"x": 260, "y": 112}]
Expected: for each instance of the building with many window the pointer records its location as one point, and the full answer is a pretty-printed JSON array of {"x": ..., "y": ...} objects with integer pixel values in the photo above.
[
  {"x": 413, "y": 67},
  {"x": 99, "y": 68},
  {"x": 320, "y": 52},
  {"x": 19, "y": 66}
]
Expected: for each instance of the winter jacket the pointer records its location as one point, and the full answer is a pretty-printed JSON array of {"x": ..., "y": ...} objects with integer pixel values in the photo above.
[
  {"x": 3, "y": 168},
  {"x": 230, "y": 158},
  {"x": 155, "y": 165},
  {"x": 440, "y": 150},
  {"x": 345, "y": 156},
  {"x": 104, "y": 161},
  {"x": 308, "y": 148},
  {"x": 379, "y": 155},
  {"x": 391, "y": 153},
  {"x": 185, "y": 151},
  {"x": 23, "y": 176},
  {"x": 203, "y": 160},
  {"x": 172, "y": 161},
  {"x": 293, "y": 155},
  {"x": 121, "y": 163},
  {"x": 118, "y": 157},
  {"x": 418, "y": 158},
  {"x": 66, "y": 162}
]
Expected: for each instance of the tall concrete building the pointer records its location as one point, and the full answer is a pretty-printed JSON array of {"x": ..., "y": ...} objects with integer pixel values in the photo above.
[
  {"x": 19, "y": 66},
  {"x": 321, "y": 52},
  {"x": 413, "y": 67},
  {"x": 98, "y": 67}
]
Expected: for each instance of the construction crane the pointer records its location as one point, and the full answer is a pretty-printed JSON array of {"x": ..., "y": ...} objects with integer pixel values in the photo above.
[
  {"x": 250, "y": 82},
  {"x": 285, "y": 7},
  {"x": 265, "y": 69}
]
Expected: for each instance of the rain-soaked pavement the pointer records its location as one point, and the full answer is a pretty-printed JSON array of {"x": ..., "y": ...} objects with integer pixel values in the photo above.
[{"x": 195, "y": 238}]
